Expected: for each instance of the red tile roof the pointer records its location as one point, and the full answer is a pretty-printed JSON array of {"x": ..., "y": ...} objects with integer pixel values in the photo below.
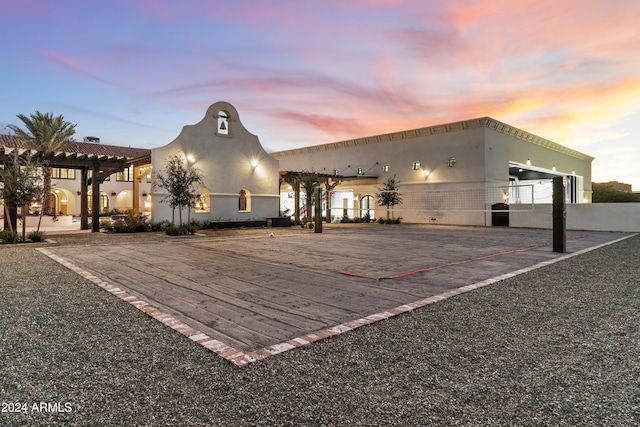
[{"x": 11, "y": 141}]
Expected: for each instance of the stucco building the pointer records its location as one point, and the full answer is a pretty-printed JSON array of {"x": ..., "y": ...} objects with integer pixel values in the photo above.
[
  {"x": 451, "y": 158},
  {"x": 241, "y": 181}
]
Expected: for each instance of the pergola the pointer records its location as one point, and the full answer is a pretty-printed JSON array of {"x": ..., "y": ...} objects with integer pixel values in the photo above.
[
  {"x": 94, "y": 160},
  {"x": 330, "y": 181}
]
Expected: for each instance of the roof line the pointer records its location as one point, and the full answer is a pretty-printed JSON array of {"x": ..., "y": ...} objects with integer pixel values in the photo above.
[{"x": 486, "y": 122}]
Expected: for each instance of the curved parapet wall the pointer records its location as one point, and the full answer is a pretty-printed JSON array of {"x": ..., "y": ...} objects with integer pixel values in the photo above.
[{"x": 234, "y": 165}]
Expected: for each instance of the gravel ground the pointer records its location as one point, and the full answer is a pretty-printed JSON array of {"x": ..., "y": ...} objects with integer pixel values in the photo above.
[{"x": 559, "y": 346}]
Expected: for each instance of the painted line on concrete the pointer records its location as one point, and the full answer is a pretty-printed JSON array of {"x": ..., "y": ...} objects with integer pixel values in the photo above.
[{"x": 240, "y": 358}]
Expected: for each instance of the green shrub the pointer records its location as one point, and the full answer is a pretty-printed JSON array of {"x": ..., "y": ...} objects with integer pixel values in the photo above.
[
  {"x": 158, "y": 226},
  {"x": 381, "y": 220},
  {"x": 130, "y": 223},
  {"x": 106, "y": 225},
  {"x": 10, "y": 237},
  {"x": 182, "y": 230},
  {"x": 388, "y": 221},
  {"x": 172, "y": 230},
  {"x": 397, "y": 220},
  {"x": 191, "y": 228},
  {"x": 37, "y": 236}
]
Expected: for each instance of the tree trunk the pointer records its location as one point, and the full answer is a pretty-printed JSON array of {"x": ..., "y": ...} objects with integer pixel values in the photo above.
[
  {"x": 8, "y": 216},
  {"x": 41, "y": 210},
  {"x": 24, "y": 223},
  {"x": 46, "y": 188}
]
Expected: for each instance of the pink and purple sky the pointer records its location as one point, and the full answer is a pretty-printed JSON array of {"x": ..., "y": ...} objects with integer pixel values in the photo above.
[{"x": 310, "y": 72}]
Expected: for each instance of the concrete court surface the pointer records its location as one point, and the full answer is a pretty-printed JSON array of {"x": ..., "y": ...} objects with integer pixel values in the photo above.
[{"x": 252, "y": 291}]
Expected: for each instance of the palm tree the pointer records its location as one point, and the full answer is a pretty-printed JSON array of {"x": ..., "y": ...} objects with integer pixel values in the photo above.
[{"x": 47, "y": 134}]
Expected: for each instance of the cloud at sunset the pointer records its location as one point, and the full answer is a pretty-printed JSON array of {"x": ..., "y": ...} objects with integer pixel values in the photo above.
[{"x": 303, "y": 73}]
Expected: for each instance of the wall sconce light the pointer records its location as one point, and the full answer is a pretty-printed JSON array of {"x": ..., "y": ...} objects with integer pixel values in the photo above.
[
  {"x": 573, "y": 172},
  {"x": 359, "y": 171},
  {"x": 426, "y": 173},
  {"x": 385, "y": 168},
  {"x": 254, "y": 163},
  {"x": 451, "y": 162},
  {"x": 554, "y": 168},
  {"x": 416, "y": 166},
  {"x": 528, "y": 162},
  {"x": 190, "y": 158}
]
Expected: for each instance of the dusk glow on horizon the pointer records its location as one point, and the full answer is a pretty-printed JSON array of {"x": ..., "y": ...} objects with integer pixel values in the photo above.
[{"x": 302, "y": 72}]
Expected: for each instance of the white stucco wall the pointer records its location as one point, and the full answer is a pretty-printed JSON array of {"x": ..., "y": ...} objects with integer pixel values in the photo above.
[
  {"x": 482, "y": 148},
  {"x": 624, "y": 217},
  {"x": 230, "y": 162}
]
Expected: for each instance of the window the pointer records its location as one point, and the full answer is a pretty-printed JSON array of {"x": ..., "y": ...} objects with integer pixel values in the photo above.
[
  {"x": 367, "y": 207},
  {"x": 202, "y": 201},
  {"x": 104, "y": 202},
  {"x": 126, "y": 175},
  {"x": 244, "y": 200},
  {"x": 63, "y": 173}
]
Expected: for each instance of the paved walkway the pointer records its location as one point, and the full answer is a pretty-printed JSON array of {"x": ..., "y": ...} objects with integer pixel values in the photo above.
[{"x": 248, "y": 297}]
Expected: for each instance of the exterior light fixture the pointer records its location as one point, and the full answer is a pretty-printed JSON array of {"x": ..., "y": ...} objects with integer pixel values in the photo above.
[
  {"x": 573, "y": 172},
  {"x": 451, "y": 162},
  {"x": 554, "y": 168},
  {"x": 359, "y": 171},
  {"x": 528, "y": 162},
  {"x": 190, "y": 158},
  {"x": 254, "y": 163},
  {"x": 416, "y": 166},
  {"x": 426, "y": 173},
  {"x": 385, "y": 168}
]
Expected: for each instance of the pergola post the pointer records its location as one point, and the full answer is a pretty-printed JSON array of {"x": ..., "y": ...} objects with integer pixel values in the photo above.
[
  {"x": 318, "y": 210},
  {"x": 95, "y": 197},
  {"x": 296, "y": 200},
  {"x": 84, "y": 202}
]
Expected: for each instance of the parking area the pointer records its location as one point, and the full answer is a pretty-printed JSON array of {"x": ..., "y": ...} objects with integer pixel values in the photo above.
[{"x": 252, "y": 295}]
